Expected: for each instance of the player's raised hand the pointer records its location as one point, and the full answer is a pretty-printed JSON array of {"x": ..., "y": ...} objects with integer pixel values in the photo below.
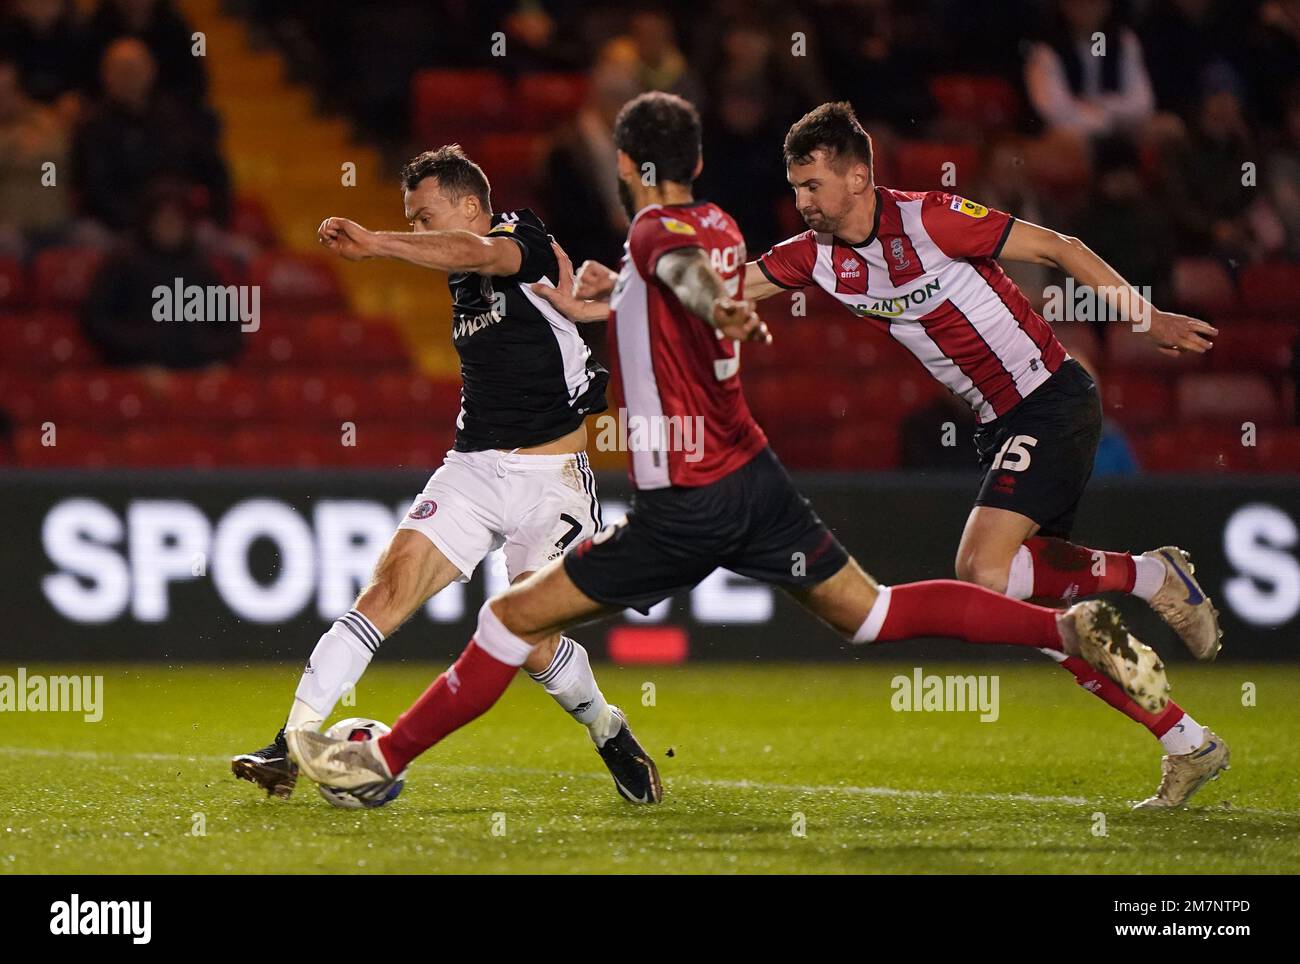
[
  {"x": 737, "y": 319},
  {"x": 565, "y": 280},
  {"x": 1177, "y": 334},
  {"x": 345, "y": 238},
  {"x": 594, "y": 280},
  {"x": 561, "y": 296}
]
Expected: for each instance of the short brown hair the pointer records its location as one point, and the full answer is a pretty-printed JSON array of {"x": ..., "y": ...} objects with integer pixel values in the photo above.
[
  {"x": 456, "y": 174},
  {"x": 832, "y": 128}
]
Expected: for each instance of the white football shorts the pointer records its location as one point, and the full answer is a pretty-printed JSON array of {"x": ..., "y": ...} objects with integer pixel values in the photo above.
[{"x": 536, "y": 506}]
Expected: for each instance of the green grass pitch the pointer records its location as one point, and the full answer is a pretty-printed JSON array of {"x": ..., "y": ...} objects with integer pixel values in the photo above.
[{"x": 753, "y": 748}]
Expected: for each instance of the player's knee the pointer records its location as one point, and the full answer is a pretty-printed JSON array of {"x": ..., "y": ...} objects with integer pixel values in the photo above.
[
  {"x": 983, "y": 570},
  {"x": 512, "y": 616}
]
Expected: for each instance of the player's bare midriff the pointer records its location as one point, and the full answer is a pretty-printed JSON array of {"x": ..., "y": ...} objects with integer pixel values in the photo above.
[{"x": 575, "y": 441}]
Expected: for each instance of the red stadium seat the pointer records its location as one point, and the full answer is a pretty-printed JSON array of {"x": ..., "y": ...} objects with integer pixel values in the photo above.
[
  {"x": 1191, "y": 448},
  {"x": 1255, "y": 346},
  {"x": 249, "y": 219},
  {"x": 284, "y": 446},
  {"x": 61, "y": 277},
  {"x": 222, "y": 396},
  {"x": 402, "y": 396},
  {"x": 921, "y": 165},
  {"x": 1195, "y": 448},
  {"x": 274, "y": 348},
  {"x": 331, "y": 396},
  {"x": 544, "y": 101},
  {"x": 42, "y": 341},
  {"x": 446, "y": 100},
  {"x": 74, "y": 447},
  {"x": 1202, "y": 285},
  {"x": 13, "y": 285},
  {"x": 24, "y": 397},
  {"x": 290, "y": 281},
  {"x": 1137, "y": 401},
  {"x": 1271, "y": 287},
  {"x": 382, "y": 447},
  {"x": 1227, "y": 398},
  {"x": 514, "y": 160},
  {"x": 105, "y": 397},
  {"x": 173, "y": 448},
  {"x": 861, "y": 446},
  {"x": 989, "y": 102},
  {"x": 347, "y": 340},
  {"x": 1278, "y": 450}
]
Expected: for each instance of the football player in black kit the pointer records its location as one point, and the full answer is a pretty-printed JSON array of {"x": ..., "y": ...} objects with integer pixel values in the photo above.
[{"x": 518, "y": 475}]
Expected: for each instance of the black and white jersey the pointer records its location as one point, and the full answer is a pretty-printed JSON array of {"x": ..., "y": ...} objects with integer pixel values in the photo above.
[{"x": 526, "y": 375}]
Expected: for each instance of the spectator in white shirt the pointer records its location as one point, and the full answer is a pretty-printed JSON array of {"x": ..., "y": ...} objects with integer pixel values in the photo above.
[{"x": 1087, "y": 76}]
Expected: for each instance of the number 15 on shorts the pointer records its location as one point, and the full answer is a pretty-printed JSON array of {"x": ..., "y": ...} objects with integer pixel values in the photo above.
[{"x": 1014, "y": 455}]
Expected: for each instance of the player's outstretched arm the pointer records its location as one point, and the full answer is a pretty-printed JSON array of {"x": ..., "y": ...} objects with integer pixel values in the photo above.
[
  {"x": 757, "y": 284},
  {"x": 452, "y": 251},
  {"x": 1173, "y": 333},
  {"x": 689, "y": 275},
  {"x": 565, "y": 296}
]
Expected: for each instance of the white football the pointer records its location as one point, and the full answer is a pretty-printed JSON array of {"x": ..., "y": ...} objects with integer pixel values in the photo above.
[{"x": 357, "y": 728}]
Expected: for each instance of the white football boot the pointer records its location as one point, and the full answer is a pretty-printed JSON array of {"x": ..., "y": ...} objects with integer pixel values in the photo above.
[
  {"x": 1184, "y": 774},
  {"x": 1095, "y": 631},
  {"x": 1182, "y": 604},
  {"x": 353, "y": 765}
]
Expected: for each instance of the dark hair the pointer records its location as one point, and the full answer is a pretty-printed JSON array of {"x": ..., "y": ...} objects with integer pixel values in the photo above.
[
  {"x": 832, "y": 128},
  {"x": 663, "y": 130},
  {"x": 456, "y": 174}
]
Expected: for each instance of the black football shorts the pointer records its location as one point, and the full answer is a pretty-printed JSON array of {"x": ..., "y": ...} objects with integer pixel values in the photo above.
[
  {"x": 752, "y": 522},
  {"x": 1037, "y": 458}
]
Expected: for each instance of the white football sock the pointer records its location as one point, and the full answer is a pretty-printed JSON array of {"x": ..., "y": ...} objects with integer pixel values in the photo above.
[
  {"x": 336, "y": 664},
  {"x": 1149, "y": 576},
  {"x": 571, "y": 683},
  {"x": 875, "y": 620},
  {"x": 1020, "y": 578},
  {"x": 1183, "y": 737}
]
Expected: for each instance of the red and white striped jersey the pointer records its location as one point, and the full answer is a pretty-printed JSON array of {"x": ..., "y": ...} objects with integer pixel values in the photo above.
[
  {"x": 927, "y": 276},
  {"x": 677, "y": 380}
]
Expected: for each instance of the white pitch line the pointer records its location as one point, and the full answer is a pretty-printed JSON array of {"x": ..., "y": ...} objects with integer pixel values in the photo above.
[{"x": 688, "y": 780}]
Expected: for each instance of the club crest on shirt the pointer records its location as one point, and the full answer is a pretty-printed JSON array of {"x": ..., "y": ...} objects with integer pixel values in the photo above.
[
  {"x": 425, "y": 509},
  {"x": 968, "y": 208},
  {"x": 897, "y": 253}
]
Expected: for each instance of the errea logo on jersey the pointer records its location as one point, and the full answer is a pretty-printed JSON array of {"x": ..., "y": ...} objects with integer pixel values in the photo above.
[
  {"x": 968, "y": 208},
  {"x": 893, "y": 307},
  {"x": 850, "y": 267}
]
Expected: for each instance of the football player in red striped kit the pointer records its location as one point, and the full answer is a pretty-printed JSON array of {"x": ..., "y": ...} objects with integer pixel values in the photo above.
[
  {"x": 678, "y": 315},
  {"x": 922, "y": 266}
]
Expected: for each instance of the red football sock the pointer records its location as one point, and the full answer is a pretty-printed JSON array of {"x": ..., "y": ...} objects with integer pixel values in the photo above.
[
  {"x": 959, "y": 610},
  {"x": 1063, "y": 570},
  {"x": 465, "y": 691},
  {"x": 1103, "y": 687}
]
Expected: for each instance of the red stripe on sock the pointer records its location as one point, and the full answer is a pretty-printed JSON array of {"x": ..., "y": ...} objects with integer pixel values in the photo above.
[
  {"x": 465, "y": 691},
  {"x": 959, "y": 610},
  {"x": 1063, "y": 570}
]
